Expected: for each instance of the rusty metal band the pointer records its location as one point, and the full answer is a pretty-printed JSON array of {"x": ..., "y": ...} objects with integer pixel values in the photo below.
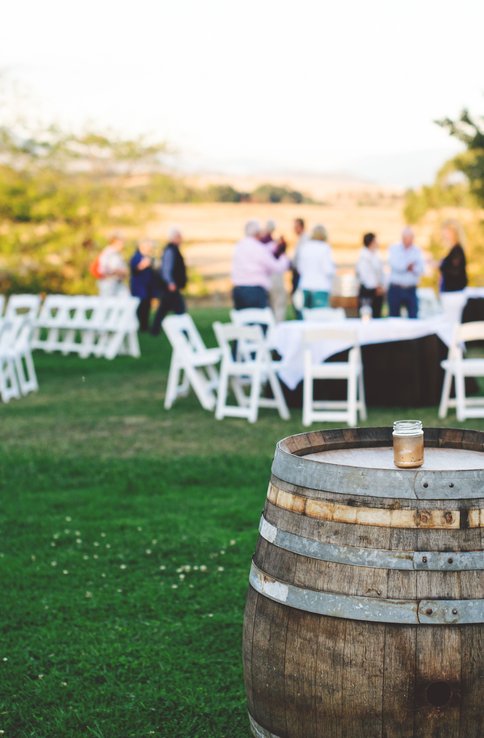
[
  {"x": 371, "y": 557},
  {"x": 375, "y": 516},
  {"x": 258, "y": 731},
  {"x": 368, "y": 609},
  {"x": 420, "y": 484}
]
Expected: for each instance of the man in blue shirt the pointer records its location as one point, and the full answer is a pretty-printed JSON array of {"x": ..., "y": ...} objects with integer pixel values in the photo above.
[{"x": 407, "y": 266}]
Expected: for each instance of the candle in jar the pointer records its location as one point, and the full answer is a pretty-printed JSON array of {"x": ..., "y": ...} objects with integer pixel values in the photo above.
[{"x": 408, "y": 443}]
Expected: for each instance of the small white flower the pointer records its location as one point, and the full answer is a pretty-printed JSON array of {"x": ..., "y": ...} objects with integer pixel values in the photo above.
[
  {"x": 67, "y": 531},
  {"x": 33, "y": 557},
  {"x": 65, "y": 571},
  {"x": 68, "y": 519},
  {"x": 53, "y": 563},
  {"x": 122, "y": 566},
  {"x": 5, "y": 658},
  {"x": 191, "y": 586},
  {"x": 63, "y": 684},
  {"x": 222, "y": 551},
  {"x": 78, "y": 541},
  {"x": 119, "y": 590},
  {"x": 210, "y": 615},
  {"x": 103, "y": 535},
  {"x": 148, "y": 551},
  {"x": 95, "y": 556},
  {"x": 88, "y": 595},
  {"x": 181, "y": 576},
  {"x": 139, "y": 528},
  {"x": 96, "y": 543},
  {"x": 162, "y": 567},
  {"x": 203, "y": 567},
  {"x": 108, "y": 545},
  {"x": 77, "y": 533},
  {"x": 195, "y": 568},
  {"x": 52, "y": 543},
  {"x": 103, "y": 575},
  {"x": 85, "y": 557},
  {"x": 233, "y": 542},
  {"x": 40, "y": 676},
  {"x": 174, "y": 586},
  {"x": 56, "y": 536},
  {"x": 154, "y": 541},
  {"x": 220, "y": 568}
]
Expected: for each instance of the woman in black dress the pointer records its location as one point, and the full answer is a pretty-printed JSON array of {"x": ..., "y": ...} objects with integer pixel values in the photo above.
[
  {"x": 453, "y": 272},
  {"x": 453, "y": 266}
]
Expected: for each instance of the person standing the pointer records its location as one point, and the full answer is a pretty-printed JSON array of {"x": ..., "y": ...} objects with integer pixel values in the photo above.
[
  {"x": 369, "y": 270},
  {"x": 173, "y": 275},
  {"x": 297, "y": 299},
  {"x": 277, "y": 290},
  {"x": 453, "y": 271},
  {"x": 142, "y": 279},
  {"x": 316, "y": 268},
  {"x": 407, "y": 266},
  {"x": 113, "y": 269},
  {"x": 252, "y": 267}
]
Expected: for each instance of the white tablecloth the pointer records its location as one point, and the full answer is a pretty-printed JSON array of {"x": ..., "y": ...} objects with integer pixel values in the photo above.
[
  {"x": 287, "y": 339},
  {"x": 474, "y": 292}
]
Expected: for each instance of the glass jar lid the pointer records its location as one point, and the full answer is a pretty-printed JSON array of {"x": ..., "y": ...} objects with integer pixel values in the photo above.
[{"x": 407, "y": 427}]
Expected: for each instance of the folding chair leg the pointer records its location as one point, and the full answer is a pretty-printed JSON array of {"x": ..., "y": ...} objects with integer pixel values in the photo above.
[
  {"x": 362, "y": 398},
  {"x": 201, "y": 388},
  {"x": 222, "y": 393},
  {"x": 444, "y": 399},
  {"x": 352, "y": 400},
  {"x": 307, "y": 400},
  {"x": 172, "y": 384},
  {"x": 254, "y": 397},
  {"x": 278, "y": 395},
  {"x": 242, "y": 399},
  {"x": 460, "y": 396}
]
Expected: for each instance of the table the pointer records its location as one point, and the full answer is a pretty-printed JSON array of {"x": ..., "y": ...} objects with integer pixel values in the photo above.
[{"x": 401, "y": 360}]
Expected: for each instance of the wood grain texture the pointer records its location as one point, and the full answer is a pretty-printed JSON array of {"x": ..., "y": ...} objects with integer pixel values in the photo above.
[{"x": 313, "y": 676}]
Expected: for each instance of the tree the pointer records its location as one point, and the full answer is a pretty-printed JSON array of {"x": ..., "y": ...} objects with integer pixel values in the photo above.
[{"x": 470, "y": 131}]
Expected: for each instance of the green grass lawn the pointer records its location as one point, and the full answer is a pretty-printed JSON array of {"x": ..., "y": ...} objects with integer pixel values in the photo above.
[{"x": 126, "y": 540}]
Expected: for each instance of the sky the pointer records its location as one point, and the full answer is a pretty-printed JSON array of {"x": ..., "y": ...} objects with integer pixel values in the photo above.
[{"x": 259, "y": 85}]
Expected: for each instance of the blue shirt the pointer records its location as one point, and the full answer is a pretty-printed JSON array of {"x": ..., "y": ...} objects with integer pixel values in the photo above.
[
  {"x": 400, "y": 258},
  {"x": 141, "y": 281}
]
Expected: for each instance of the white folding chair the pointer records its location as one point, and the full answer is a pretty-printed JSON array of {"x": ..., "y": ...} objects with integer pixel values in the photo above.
[
  {"x": 324, "y": 315},
  {"x": 50, "y": 323},
  {"x": 9, "y": 385},
  {"x": 240, "y": 369},
  {"x": 458, "y": 368},
  {"x": 20, "y": 350},
  {"x": 25, "y": 305},
  {"x": 119, "y": 329},
  {"x": 253, "y": 316},
  {"x": 192, "y": 363},
  {"x": 351, "y": 371}
]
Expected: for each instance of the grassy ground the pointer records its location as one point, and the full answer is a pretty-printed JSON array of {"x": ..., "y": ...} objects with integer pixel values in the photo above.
[{"x": 126, "y": 540}]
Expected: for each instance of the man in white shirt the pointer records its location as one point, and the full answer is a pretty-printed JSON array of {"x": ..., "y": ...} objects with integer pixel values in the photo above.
[{"x": 407, "y": 266}]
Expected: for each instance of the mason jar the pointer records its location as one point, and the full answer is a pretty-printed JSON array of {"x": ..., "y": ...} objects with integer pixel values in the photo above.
[{"x": 408, "y": 443}]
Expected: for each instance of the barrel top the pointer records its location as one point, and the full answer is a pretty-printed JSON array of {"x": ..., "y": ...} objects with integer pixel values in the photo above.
[
  {"x": 359, "y": 461},
  {"x": 382, "y": 458}
]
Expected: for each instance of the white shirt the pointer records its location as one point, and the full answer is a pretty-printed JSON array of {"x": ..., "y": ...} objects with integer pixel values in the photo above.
[
  {"x": 303, "y": 238},
  {"x": 369, "y": 269},
  {"x": 110, "y": 261},
  {"x": 399, "y": 259},
  {"x": 315, "y": 265}
]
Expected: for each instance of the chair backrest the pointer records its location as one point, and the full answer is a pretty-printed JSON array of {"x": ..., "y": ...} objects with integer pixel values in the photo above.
[
  {"x": 27, "y": 305},
  {"x": 466, "y": 332},
  {"x": 343, "y": 338},
  {"x": 253, "y": 316},
  {"x": 326, "y": 314},
  {"x": 183, "y": 334},
  {"x": 233, "y": 338}
]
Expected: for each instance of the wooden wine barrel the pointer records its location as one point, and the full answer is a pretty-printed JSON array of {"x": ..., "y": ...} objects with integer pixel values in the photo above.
[{"x": 365, "y": 612}]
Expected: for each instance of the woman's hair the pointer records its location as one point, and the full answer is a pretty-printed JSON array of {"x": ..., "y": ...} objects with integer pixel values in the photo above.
[
  {"x": 453, "y": 225},
  {"x": 319, "y": 233},
  {"x": 368, "y": 239}
]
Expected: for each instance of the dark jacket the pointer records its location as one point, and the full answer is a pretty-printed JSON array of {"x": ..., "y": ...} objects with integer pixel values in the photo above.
[
  {"x": 453, "y": 270},
  {"x": 141, "y": 280},
  {"x": 173, "y": 270}
]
